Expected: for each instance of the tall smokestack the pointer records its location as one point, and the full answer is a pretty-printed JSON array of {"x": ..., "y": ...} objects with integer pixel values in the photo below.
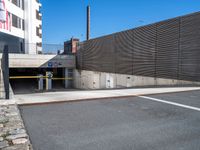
[{"x": 88, "y": 22}]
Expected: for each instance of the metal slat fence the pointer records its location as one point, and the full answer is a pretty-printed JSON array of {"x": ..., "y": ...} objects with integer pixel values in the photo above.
[{"x": 169, "y": 49}]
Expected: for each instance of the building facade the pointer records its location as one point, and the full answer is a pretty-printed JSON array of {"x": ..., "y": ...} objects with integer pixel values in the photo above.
[
  {"x": 71, "y": 46},
  {"x": 21, "y": 26}
]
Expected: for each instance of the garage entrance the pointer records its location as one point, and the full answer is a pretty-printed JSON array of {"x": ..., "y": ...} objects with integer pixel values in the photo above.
[{"x": 26, "y": 80}]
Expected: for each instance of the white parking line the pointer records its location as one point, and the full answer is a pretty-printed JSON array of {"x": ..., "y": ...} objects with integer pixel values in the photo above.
[{"x": 170, "y": 103}]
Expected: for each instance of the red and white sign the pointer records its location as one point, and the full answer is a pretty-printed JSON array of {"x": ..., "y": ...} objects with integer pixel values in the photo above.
[{"x": 5, "y": 21}]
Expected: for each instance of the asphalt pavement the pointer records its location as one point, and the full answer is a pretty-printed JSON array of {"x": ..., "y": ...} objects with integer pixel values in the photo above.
[{"x": 133, "y": 123}]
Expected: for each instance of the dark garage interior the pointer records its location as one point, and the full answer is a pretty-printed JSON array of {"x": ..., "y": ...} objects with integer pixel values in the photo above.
[{"x": 26, "y": 85}]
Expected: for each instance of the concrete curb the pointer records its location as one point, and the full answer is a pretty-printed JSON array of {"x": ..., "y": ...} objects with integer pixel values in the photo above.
[{"x": 94, "y": 99}]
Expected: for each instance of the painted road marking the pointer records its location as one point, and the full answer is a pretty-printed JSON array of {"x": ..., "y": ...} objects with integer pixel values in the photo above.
[{"x": 171, "y": 103}]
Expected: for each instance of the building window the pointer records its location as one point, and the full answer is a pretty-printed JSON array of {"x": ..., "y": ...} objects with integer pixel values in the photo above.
[
  {"x": 16, "y": 21},
  {"x": 23, "y": 25},
  {"x": 19, "y": 3},
  {"x": 22, "y": 5},
  {"x": 38, "y": 15},
  {"x": 38, "y": 32},
  {"x": 39, "y": 44},
  {"x": 16, "y": 2}
]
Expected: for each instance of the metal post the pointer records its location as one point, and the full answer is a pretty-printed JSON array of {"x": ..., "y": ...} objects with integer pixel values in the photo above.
[
  {"x": 6, "y": 72},
  {"x": 88, "y": 23}
]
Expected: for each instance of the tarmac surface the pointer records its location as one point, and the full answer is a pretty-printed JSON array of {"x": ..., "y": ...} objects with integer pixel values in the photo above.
[{"x": 156, "y": 122}]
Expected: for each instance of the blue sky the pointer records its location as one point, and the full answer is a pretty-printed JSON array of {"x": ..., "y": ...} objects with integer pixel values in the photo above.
[{"x": 63, "y": 19}]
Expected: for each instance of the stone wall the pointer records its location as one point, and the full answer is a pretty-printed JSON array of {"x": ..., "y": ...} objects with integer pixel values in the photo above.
[{"x": 13, "y": 135}]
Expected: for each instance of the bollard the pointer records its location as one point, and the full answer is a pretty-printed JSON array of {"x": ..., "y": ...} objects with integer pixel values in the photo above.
[
  {"x": 40, "y": 82},
  {"x": 49, "y": 76}
]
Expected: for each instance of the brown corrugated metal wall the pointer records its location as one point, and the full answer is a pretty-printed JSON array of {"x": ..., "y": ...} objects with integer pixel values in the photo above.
[{"x": 168, "y": 49}]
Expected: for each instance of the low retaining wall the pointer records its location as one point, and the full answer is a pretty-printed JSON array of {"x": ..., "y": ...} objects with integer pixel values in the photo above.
[
  {"x": 13, "y": 135},
  {"x": 100, "y": 80}
]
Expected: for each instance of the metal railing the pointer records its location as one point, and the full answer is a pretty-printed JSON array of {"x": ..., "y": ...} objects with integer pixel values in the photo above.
[
  {"x": 33, "y": 48},
  {"x": 5, "y": 71},
  {"x": 52, "y": 49}
]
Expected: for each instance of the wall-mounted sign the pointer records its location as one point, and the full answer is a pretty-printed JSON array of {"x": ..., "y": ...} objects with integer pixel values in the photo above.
[{"x": 50, "y": 64}]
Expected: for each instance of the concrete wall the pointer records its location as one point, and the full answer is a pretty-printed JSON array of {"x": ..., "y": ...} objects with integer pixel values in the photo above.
[
  {"x": 101, "y": 80},
  {"x": 40, "y": 61}
]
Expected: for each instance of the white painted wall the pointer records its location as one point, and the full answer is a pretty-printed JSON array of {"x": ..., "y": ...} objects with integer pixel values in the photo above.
[
  {"x": 31, "y": 22},
  {"x": 18, "y": 12}
]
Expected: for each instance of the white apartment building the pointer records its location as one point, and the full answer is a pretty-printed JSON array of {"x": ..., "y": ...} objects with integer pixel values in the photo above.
[{"x": 21, "y": 26}]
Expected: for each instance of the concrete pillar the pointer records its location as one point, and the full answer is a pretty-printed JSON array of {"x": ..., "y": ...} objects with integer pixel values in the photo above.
[{"x": 68, "y": 75}]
